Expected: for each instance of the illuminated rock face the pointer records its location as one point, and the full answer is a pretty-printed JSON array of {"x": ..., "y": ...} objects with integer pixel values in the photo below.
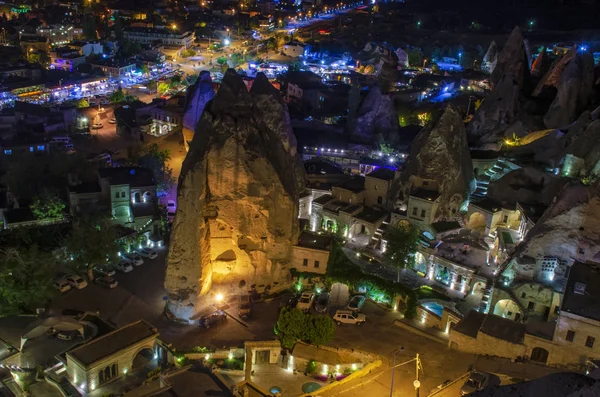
[
  {"x": 238, "y": 193},
  {"x": 197, "y": 97},
  {"x": 440, "y": 154}
]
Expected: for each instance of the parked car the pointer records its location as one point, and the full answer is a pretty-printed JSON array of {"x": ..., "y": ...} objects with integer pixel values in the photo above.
[
  {"x": 245, "y": 308},
  {"x": 356, "y": 303},
  {"x": 212, "y": 319},
  {"x": 147, "y": 253},
  {"x": 76, "y": 281},
  {"x": 306, "y": 301},
  {"x": 62, "y": 285},
  {"x": 171, "y": 207},
  {"x": 68, "y": 335},
  {"x": 322, "y": 302},
  {"x": 134, "y": 258},
  {"x": 349, "y": 317},
  {"x": 477, "y": 381},
  {"x": 105, "y": 270},
  {"x": 288, "y": 300},
  {"x": 107, "y": 282},
  {"x": 123, "y": 266}
]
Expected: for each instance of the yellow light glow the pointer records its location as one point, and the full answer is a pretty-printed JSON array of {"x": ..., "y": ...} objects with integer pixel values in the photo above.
[{"x": 219, "y": 297}]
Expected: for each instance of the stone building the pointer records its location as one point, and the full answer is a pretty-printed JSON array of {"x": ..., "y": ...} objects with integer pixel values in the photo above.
[
  {"x": 311, "y": 254},
  {"x": 569, "y": 340}
]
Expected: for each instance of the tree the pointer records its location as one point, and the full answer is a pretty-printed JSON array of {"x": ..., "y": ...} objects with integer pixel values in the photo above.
[
  {"x": 92, "y": 241},
  {"x": 88, "y": 23},
  {"x": 144, "y": 69},
  {"x": 415, "y": 57},
  {"x": 221, "y": 60},
  {"x": 48, "y": 207},
  {"x": 293, "y": 325},
  {"x": 152, "y": 157},
  {"x": 163, "y": 88},
  {"x": 25, "y": 278},
  {"x": 38, "y": 57},
  {"x": 82, "y": 103},
  {"x": 401, "y": 245},
  {"x": 188, "y": 52},
  {"x": 152, "y": 86},
  {"x": 175, "y": 81},
  {"x": 386, "y": 149},
  {"x": 117, "y": 96}
]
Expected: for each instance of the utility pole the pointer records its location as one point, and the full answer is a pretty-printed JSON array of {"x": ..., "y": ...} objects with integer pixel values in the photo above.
[{"x": 417, "y": 383}]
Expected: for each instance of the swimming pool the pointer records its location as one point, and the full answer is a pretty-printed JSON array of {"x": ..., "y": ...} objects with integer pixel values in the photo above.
[{"x": 434, "y": 307}]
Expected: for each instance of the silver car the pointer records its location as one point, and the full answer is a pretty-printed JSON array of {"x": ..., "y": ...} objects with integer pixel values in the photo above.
[
  {"x": 477, "y": 381},
  {"x": 322, "y": 302}
]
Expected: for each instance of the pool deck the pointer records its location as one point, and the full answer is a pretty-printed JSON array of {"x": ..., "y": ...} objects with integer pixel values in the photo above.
[{"x": 270, "y": 375}]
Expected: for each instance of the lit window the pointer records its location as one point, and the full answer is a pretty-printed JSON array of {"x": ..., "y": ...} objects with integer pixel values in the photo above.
[
  {"x": 40, "y": 147},
  {"x": 8, "y": 151},
  {"x": 31, "y": 148}
]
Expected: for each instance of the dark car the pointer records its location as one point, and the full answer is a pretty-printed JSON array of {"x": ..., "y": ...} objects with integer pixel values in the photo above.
[
  {"x": 212, "y": 319},
  {"x": 322, "y": 302},
  {"x": 245, "y": 309},
  {"x": 288, "y": 300}
]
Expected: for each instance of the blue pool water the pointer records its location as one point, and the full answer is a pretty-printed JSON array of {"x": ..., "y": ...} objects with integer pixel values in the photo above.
[{"x": 434, "y": 307}]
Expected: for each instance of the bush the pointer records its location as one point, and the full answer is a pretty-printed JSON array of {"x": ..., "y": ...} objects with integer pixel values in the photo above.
[
  {"x": 293, "y": 324},
  {"x": 311, "y": 367},
  {"x": 188, "y": 53}
]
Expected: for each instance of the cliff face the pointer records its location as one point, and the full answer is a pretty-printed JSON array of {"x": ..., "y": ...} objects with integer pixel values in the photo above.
[
  {"x": 238, "y": 193},
  {"x": 490, "y": 59},
  {"x": 440, "y": 153},
  {"x": 568, "y": 229},
  {"x": 496, "y": 113},
  {"x": 551, "y": 78},
  {"x": 197, "y": 96},
  {"x": 513, "y": 61},
  {"x": 575, "y": 89},
  {"x": 377, "y": 120}
]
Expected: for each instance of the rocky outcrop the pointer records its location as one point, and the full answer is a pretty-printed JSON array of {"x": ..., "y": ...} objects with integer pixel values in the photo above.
[
  {"x": 383, "y": 58},
  {"x": 495, "y": 114},
  {"x": 582, "y": 155},
  {"x": 197, "y": 96},
  {"x": 377, "y": 120},
  {"x": 402, "y": 58},
  {"x": 440, "y": 155},
  {"x": 490, "y": 59},
  {"x": 238, "y": 193},
  {"x": 541, "y": 64},
  {"x": 569, "y": 228},
  {"x": 512, "y": 61},
  {"x": 552, "y": 77},
  {"x": 526, "y": 185},
  {"x": 575, "y": 89}
]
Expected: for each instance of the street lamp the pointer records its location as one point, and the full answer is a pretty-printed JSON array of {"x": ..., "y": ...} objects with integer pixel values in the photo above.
[
  {"x": 459, "y": 57},
  {"x": 174, "y": 26},
  {"x": 416, "y": 382},
  {"x": 219, "y": 298},
  {"x": 418, "y": 24}
]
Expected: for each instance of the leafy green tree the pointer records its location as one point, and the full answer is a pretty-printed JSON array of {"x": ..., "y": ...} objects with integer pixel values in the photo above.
[
  {"x": 236, "y": 59},
  {"x": 144, "y": 69},
  {"x": 82, "y": 103},
  {"x": 175, "y": 81},
  {"x": 25, "y": 278},
  {"x": 221, "y": 60},
  {"x": 48, "y": 207},
  {"x": 401, "y": 245},
  {"x": 291, "y": 326},
  {"x": 322, "y": 330},
  {"x": 188, "y": 52},
  {"x": 39, "y": 57},
  {"x": 415, "y": 57},
  {"x": 92, "y": 241},
  {"x": 117, "y": 96},
  {"x": 152, "y": 157},
  {"x": 386, "y": 149},
  {"x": 152, "y": 85},
  {"x": 163, "y": 88}
]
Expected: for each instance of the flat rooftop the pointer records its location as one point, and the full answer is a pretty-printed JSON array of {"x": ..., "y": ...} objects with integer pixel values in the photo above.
[
  {"x": 113, "y": 342},
  {"x": 424, "y": 194},
  {"x": 582, "y": 293},
  {"x": 313, "y": 240}
]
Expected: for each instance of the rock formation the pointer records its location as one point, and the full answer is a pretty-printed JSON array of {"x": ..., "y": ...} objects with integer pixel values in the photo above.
[
  {"x": 541, "y": 64},
  {"x": 402, "y": 58},
  {"x": 490, "y": 59},
  {"x": 197, "y": 97},
  {"x": 569, "y": 229},
  {"x": 582, "y": 155},
  {"x": 440, "y": 154},
  {"x": 496, "y": 113},
  {"x": 238, "y": 193},
  {"x": 512, "y": 61},
  {"x": 575, "y": 89},
  {"x": 552, "y": 77},
  {"x": 526, "y": 185},
  {"x": 377, "y": 120}
]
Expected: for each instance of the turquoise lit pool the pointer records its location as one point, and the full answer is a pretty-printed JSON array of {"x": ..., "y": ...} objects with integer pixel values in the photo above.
[{"x": 434, "y": 307}]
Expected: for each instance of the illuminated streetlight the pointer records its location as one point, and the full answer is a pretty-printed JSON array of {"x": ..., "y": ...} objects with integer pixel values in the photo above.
[
  {"x": 174, "y": 26},
  {"x": 219, "y": 297}
]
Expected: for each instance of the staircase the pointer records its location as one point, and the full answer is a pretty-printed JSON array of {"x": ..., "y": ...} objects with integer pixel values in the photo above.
[{"x": 496, "y": 172}]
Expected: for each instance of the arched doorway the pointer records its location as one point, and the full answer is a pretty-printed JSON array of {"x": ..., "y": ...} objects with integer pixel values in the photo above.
[
  {"x": 539, "y": 354},
  {"x": 478, "y": 287},
  {"x": 143, "y": 359},
  {"x": 477, "y": 221},
  {"x": 147, "y": 197},
  {"x": 507, "y": 308}
]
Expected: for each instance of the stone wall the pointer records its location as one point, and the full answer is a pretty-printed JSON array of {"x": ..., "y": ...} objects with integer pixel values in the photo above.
[{"x": 486, "y": 345}]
